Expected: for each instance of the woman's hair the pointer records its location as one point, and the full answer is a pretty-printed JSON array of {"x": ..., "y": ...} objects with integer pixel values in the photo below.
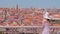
[{"x": 47, "y": 19}]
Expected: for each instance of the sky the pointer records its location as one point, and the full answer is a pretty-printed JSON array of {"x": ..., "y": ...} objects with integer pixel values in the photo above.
[{"x": 30, "y": 3}]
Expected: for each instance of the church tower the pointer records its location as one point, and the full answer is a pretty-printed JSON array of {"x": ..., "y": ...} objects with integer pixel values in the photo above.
[{"x": 17, "y": 7}]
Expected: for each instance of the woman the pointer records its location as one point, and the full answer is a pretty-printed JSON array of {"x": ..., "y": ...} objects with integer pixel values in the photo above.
[{"x": 46, "y": 29}]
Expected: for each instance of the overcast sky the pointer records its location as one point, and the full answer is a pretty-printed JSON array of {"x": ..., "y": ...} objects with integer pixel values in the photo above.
[{"x": 31, "y": 3}]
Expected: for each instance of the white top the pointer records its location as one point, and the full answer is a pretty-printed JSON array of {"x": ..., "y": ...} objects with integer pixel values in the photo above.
[{"x": 46, "y": 15}]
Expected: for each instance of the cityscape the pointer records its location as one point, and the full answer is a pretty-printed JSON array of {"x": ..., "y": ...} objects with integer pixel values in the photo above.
[
  {"x": 29, "y": 18},
  {"x": 22, "y": 19}
]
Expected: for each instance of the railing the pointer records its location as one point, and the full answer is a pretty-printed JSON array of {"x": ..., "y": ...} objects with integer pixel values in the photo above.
[{"x": 29, "y": 29}]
